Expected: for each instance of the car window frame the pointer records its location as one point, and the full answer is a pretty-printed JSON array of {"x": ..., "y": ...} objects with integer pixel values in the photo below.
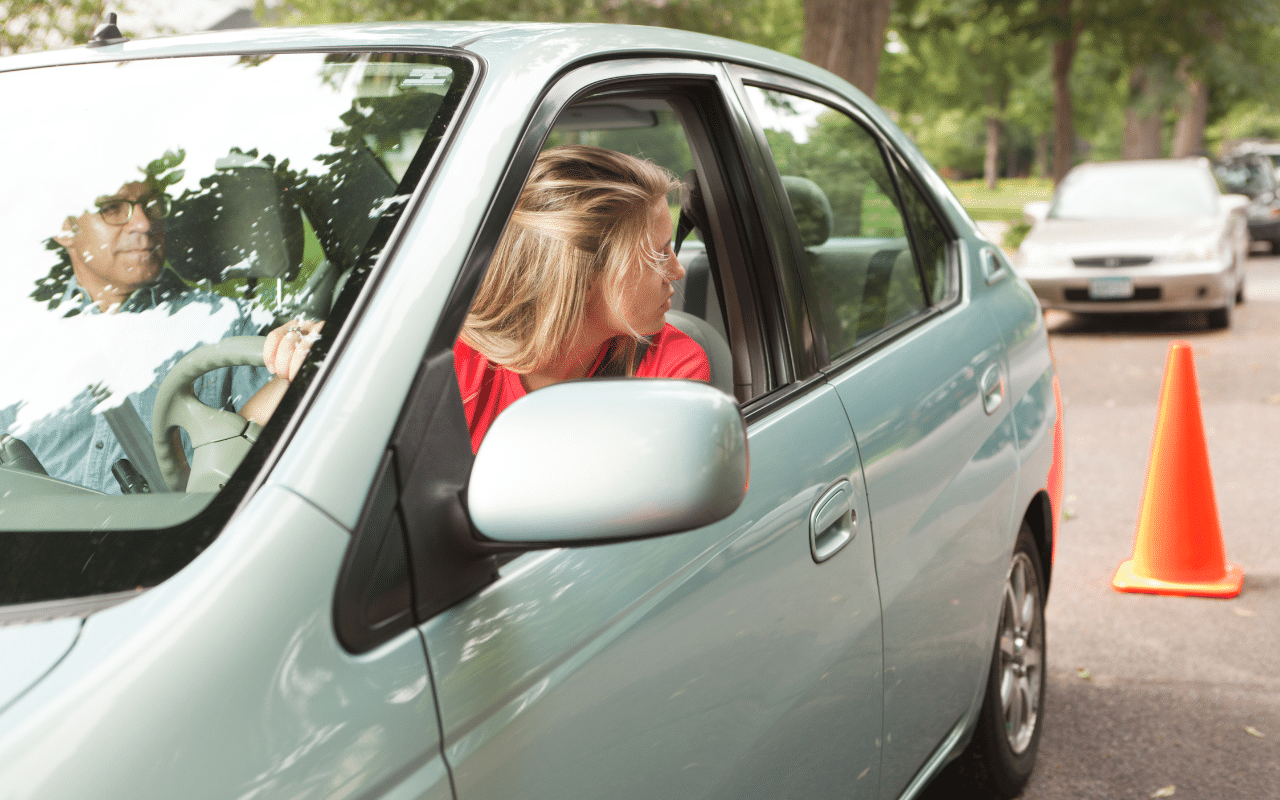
[
  {"x": 899, "y": 171},
  {"x": 458, "y": 564}
]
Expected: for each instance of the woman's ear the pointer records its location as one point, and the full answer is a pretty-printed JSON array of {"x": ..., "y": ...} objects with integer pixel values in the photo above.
[{"x": 69, "y": 230}]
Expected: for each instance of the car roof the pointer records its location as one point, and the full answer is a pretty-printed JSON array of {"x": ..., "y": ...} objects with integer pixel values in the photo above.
[{"x": 502, "y": 44}]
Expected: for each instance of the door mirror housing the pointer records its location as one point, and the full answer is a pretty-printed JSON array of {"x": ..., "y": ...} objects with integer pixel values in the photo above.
[{"x": 585, "y": 462}]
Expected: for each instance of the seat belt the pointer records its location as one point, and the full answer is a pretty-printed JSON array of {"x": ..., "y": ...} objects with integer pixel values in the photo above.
[{"x": 692, "y": 211}]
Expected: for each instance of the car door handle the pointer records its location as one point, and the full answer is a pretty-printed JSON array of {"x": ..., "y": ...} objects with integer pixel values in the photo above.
[
  {"x": 992, "y": 267},
  {"x": 992, "y": 389},
  {"x": 833, "y": 522}
]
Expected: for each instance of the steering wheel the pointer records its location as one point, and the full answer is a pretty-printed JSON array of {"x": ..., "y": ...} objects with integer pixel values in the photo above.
[{"x": 220, "y": 439}]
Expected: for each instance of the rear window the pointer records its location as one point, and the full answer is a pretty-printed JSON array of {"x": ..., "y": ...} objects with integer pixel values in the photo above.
[{"x": 155, "y": 208}]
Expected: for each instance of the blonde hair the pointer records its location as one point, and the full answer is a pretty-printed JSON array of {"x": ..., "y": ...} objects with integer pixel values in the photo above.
[{"x": 583, "y": 216}]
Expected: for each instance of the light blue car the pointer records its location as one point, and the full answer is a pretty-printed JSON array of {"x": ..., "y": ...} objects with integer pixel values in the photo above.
[{"x": 821, "y": 575}]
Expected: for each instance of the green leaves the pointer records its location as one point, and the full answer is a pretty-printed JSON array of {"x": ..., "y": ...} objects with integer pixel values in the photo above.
[{"x": 42, "y": 24}]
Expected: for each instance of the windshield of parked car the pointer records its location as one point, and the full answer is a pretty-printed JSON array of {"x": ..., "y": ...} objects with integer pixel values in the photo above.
[
  {"x": 1247, "y": 176},
  {"x": 156, "y": 209},
  {"x": 1129, "y": 191}
]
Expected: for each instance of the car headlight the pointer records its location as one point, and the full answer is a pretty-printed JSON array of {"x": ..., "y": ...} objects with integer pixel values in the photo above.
[{"x": 1194, "y": 251}]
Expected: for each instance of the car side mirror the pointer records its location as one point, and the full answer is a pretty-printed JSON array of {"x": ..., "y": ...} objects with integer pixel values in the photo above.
[
  {"x": 1036, "y": 211},
  {"x": 1234, "y": 202},
  {"x": 591, "y": 461}
]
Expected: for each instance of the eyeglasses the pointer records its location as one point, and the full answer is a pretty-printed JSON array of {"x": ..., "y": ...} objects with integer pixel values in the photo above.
[{"x": 118, "y": 211}]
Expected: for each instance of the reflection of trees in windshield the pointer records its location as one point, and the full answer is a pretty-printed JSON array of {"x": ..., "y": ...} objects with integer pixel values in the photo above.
[{"x": 244, "y": 226}]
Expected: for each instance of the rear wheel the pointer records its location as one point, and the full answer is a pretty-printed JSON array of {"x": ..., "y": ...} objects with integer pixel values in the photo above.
[{"x": 1003, "y": 751}]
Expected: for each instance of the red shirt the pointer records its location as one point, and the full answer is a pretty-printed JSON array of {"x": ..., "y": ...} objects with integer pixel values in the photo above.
[{"x": 488, "y": 389}]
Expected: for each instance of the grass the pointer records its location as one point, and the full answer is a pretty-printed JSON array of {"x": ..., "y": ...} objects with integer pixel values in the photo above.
[{"x": 1005, "y": 202}]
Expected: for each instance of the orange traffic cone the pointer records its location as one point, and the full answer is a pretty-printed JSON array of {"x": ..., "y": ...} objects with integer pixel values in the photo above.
[{"x": 1179, "y": 542}]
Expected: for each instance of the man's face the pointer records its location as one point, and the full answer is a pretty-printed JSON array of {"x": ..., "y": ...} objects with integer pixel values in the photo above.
[{"x": 116, "y": 247}]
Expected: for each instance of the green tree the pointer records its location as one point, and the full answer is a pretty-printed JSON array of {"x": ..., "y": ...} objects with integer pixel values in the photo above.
[
  {"x": 962, "y": 55},
  {"x": 42, "y": 24},
  {"x": 775, "y": 24},
  {"x": 847, "y": 37}
]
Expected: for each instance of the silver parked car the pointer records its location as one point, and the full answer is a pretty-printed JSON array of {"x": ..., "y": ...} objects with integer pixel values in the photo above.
[
  {"x": 344, "y": 600},
  {"x": 1133, "y": 236}
]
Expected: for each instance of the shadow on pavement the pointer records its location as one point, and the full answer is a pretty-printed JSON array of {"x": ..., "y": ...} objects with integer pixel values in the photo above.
[{"x": 1132, "y": 739}]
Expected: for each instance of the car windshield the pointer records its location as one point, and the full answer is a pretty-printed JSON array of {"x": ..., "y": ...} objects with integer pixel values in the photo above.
[
  {"x": 1129, "y": 191},
  {"x": 157, "y": 207},
  {"x": 1245, "y": 176}
]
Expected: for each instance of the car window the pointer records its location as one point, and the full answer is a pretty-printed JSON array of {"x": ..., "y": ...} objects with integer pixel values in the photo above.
[
  {"x": 648, "y": 127},
  {"x": 227, "y": 196},
  {"x": 930, "y": 241},
  {"x": 858, "y": 257}
]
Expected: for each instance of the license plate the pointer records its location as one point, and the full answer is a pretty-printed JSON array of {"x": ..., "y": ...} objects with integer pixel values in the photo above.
[{"x": 1115, "y": 287}]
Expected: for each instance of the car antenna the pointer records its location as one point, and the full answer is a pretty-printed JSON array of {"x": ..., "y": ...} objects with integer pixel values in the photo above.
[{"x": 107, "y": 33}]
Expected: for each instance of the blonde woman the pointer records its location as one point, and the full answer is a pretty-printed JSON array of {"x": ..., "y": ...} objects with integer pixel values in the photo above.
[{"x": 578, "y": 285}]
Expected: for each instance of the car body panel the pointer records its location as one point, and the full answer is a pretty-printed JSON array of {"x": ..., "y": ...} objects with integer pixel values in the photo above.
[
  {"x": 42, "y": 645},
  {"x": 940, "y": 522},
  {"x": 697, "y": 657},
  {"x": 306, "y": 716}
]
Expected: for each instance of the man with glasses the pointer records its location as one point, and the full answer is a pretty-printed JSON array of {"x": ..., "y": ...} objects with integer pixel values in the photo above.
[
  {"x": 117, "y": 248},
  {"x": 112, "y": 261}
]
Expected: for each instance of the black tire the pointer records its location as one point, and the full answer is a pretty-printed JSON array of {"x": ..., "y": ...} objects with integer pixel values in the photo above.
[
  {"x": 1003, "y": 751},
  {"x": 1220, "y": 318},
  {"x": 1240, "y": 289}
]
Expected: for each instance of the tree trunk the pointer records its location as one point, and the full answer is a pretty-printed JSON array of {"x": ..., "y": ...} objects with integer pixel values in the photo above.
[
  {"x": 991, "y": 164},
  {"x": 1040, "y": 168},
  {"x": 847, "y": 38},
  {"x": 1193, "y": 109},
  {"x": 1064, "y": 131},
  {"x": 1143, "y": 115}
]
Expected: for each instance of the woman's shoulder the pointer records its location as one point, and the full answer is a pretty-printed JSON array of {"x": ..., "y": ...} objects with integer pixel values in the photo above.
[
  {"x": 470, "y": 364},
  {"x": 674, "y": 354}
]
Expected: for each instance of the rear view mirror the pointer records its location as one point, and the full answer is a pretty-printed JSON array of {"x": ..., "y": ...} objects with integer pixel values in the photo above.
[{"x": 599, "y": 460}]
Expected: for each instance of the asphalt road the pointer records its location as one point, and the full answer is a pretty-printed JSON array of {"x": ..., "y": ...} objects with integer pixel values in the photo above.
[{"x": 1151, "y": 696}]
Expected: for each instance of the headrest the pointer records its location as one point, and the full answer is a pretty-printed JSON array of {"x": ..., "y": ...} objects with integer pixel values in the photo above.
[
  {"x": 239, "y": 224},
  {"x": 811, "y": 208}
]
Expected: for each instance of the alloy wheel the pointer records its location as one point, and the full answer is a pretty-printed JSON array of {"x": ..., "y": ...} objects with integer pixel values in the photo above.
[{"x": 1021, "y": 653}]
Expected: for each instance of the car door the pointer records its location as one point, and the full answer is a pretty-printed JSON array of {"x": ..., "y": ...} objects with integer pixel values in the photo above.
[
  {"x": 921, "y": 372},
  {"x": 743, "y": 658}
]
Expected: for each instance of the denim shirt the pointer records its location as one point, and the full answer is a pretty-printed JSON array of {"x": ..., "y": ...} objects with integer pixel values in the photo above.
[{"x": 77, "y": 445}]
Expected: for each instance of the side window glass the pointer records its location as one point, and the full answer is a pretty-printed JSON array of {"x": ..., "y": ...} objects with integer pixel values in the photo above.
[
  {"x": 931, "y": 244},
  {"x": 858, "y": 259}
]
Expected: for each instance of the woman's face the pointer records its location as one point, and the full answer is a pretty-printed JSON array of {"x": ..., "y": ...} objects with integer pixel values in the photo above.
[{"x": 646, "y": 300}]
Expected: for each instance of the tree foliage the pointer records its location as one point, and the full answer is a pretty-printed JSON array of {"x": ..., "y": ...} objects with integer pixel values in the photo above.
[
  {"x": 42, "y": 24},
  {"x": 771, "y": 23}
]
